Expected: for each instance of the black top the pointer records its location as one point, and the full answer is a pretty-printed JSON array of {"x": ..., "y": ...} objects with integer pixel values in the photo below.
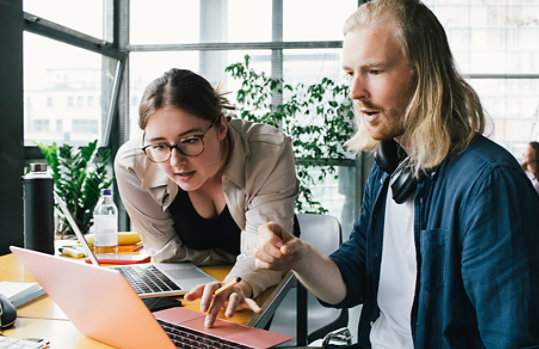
[{"x": 201, "y": 233}]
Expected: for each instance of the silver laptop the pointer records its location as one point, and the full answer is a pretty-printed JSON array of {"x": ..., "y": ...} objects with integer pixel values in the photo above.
[
  {"x": 103, "y": 306},
  {"x": 148, "y": 279}
]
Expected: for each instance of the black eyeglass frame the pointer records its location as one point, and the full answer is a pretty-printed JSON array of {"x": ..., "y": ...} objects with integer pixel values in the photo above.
[{"x": 181, "y": 140}]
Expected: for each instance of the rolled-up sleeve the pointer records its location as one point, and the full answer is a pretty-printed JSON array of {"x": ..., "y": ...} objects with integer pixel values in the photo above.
[{"x": 271, "y": 189}]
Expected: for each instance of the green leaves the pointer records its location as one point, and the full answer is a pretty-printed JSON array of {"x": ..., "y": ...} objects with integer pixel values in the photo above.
[
  {"x": 318, "y": 118},
  {"x": 79, "y": 175}
]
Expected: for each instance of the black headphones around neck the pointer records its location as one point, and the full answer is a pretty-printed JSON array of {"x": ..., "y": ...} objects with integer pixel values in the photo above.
[{"x": 391, "y": 158}]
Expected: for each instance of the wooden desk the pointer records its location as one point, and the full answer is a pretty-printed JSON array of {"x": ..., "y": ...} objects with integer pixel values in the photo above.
[
  {"x": 42, "y": 318},
  {"x": 62, "y": 334}
]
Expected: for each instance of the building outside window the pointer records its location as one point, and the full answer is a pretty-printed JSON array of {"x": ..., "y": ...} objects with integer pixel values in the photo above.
[
  {"x": 40, "y": 125},
  {"x": 85, "y": 126},
  {"x": 59, "y": 71},
  {"x": 496, "y": 45}
]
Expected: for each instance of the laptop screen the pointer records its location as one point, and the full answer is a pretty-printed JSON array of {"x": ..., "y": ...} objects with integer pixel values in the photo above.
[{"x": 76, "y": 229}]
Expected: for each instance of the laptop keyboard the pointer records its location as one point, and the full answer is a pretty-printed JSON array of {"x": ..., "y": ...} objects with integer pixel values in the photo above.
[
  {"x": 187, "y": 338},
  {"x": 146, "y": 278}
]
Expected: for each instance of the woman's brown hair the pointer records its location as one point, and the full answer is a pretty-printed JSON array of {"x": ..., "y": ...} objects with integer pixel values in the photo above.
[{"x": 184, "y": 90}]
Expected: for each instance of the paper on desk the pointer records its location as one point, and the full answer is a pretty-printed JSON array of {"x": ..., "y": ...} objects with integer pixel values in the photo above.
[{"x": 20, "y": 293}]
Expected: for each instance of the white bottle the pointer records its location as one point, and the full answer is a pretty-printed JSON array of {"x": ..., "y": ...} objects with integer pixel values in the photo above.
[{"x": 105, "y": 224}]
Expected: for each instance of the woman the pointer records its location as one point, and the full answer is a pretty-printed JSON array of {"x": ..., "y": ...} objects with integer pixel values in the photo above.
[
  {"x": 198, "y": 185},
  {"x": 531, "y": 158}
]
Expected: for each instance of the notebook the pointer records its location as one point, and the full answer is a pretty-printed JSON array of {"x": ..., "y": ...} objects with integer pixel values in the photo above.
[
  {"x": 20, "y": 293},
  {"x": 103, "y": 306},
  {"x": 151, "y": 279}
]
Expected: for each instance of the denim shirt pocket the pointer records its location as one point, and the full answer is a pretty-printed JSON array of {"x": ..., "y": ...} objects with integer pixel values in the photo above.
[{"x": 433, "y": 255}]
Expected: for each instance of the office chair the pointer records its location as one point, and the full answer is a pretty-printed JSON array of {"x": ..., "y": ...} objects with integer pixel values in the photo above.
[{"x": 300, "y": 315}]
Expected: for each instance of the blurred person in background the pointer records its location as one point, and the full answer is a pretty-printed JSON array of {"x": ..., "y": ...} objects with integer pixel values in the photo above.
[{"x": 529, "y": 164}]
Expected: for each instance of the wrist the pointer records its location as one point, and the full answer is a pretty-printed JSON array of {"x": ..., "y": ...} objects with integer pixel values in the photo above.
[
  {"x": 303, "y": 263},
  {"x": 244, "y": 289}
]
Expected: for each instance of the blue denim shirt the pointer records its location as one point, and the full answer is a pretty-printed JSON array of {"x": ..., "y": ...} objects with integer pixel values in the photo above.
[{"x": 477, "y": 241}]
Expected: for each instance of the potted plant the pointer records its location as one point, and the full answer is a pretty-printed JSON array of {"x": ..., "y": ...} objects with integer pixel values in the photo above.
[
  {"x": 317, "y": 117},
  {"x": 79, "y": 175}
]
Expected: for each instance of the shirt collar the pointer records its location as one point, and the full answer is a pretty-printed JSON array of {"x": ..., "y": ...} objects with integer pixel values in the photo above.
[{"x": 239, "y": 151}]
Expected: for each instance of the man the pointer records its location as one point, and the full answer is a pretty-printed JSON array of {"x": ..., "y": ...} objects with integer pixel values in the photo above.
[{"x": 444, "y": 251}]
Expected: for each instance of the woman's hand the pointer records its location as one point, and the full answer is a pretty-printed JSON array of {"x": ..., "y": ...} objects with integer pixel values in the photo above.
[
  {"x": 232, "y": 300},
  {"x": 277, "y": 249}
]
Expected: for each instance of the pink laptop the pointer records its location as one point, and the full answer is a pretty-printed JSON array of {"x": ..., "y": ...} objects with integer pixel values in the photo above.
[{"x": 103, "y": 306}]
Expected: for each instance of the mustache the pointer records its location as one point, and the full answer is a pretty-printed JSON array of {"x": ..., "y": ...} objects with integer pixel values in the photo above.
[{"x": 359, "y": 105}]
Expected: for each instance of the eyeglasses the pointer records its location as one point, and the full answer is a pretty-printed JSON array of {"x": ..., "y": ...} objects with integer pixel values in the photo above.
[{"x": 188, "y": 146}]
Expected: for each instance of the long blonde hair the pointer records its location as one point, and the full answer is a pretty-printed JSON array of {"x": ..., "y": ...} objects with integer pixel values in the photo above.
[{"x": 444, "y": 113}]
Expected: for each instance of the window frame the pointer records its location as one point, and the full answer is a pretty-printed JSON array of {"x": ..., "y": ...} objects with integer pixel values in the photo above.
[{"x": 43, "y": 27}]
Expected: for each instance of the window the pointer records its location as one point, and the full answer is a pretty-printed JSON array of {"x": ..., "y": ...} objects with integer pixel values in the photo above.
[
  {"x": 73, "y": 86},
  {"x": 167, "y": 33},
  {"x": 495, "y": 45},
  {"x": 311, "y": 65},
  {"x": 84, "y": 126},
  {"x": 320, "y": 20},
  {"x": 84, "y": 16},
  {"x": 195, "y": 21},
  {"x": 146, "y": 66},
  {"x": 40, "y": 125},
  {"x": 55, "y": 71},
  {"x": 163, "y": 21}
]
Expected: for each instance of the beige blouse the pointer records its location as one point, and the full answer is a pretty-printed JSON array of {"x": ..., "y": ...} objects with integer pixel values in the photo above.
[{"x": 259, "y": 185}]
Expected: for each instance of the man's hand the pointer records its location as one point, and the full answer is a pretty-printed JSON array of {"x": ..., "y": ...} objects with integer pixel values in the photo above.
[{"x": 277, "y": 249}]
